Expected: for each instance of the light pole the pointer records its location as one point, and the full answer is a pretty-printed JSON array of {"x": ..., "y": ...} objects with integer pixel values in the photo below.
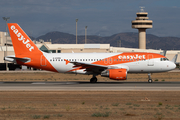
[
  {"x": 76, "y": 30},
  {"x": 85, "y": 34},
  {"x": 6, "y": 18}
]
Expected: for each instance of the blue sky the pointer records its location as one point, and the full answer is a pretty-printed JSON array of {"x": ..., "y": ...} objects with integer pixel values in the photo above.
[{"x": 103, "y": 17}]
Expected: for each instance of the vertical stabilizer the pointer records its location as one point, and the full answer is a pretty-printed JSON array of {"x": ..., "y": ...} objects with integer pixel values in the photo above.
[
  {"x": 26, "y": 52},
  {"x": 21, "y": 42}
]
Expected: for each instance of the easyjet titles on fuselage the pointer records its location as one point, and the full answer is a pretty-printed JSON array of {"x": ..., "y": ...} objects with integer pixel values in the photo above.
[{"x": 132, "y": 56}]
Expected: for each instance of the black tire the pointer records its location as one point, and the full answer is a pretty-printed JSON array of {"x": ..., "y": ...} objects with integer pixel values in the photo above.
[
  {"x": 150, "y": 81},
  {"x": 93, "y": 80}
]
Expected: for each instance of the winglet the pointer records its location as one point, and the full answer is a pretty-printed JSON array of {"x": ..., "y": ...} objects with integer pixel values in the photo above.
[
  {"x": 163, "y": 53},
  {"x": 174, "y": 58},
  {"x": 67, "y": 61}
]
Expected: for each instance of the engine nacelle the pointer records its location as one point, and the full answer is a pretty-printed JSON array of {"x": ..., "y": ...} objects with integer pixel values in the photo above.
[{"x": 115, "y": 74}]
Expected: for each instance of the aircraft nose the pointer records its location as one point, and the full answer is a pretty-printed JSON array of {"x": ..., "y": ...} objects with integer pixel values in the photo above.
[{"x": 172, "y": 66}]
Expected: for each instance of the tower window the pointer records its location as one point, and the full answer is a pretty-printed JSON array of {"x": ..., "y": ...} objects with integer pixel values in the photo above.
[
  {"x": 141, "y": 23},
  {"x": 141, "y": 15}
]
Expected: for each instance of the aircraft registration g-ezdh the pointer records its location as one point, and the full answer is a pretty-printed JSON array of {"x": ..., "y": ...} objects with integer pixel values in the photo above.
[{"x": 112, "y": 65}]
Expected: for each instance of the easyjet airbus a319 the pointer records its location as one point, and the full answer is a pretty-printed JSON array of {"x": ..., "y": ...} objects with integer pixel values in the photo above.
[{"x": 112, "y": 65}]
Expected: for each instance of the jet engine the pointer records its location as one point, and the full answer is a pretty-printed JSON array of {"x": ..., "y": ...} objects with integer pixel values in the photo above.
[{"x": 115, "y": 74}]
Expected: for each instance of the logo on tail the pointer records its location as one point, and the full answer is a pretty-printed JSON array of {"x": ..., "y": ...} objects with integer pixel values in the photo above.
[{"x": 22, "y": 38}]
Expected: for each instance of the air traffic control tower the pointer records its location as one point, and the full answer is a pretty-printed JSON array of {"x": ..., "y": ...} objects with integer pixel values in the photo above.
[{"x": 142, "y": 23}]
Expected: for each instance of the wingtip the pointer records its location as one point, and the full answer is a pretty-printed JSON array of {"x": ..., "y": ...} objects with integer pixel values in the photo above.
[{"x": 174, "y": 58}]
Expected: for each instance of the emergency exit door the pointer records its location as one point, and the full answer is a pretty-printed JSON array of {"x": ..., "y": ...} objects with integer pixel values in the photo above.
[{"x": 150, "y": 60}]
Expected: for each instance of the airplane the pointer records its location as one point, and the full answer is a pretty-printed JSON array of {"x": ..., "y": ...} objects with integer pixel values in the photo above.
[{"x": 116, "y": 66}]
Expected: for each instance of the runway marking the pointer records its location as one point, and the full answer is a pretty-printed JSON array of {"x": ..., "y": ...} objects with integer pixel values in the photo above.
[
  {"x": 64, "y": 83},
  {"x": 52, "y": 83},
  {"x": 38, "y": 83}
]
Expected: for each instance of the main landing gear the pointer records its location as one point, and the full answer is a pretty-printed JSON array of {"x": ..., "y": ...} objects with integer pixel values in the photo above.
[
  {"x": 150, "y": 80},
  {"x": 93, "y": 79}
]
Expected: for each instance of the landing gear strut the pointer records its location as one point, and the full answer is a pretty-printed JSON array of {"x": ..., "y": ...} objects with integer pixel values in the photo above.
[
  {"x": 93, "y": 79},
  {"x": 150, "y": 80}
]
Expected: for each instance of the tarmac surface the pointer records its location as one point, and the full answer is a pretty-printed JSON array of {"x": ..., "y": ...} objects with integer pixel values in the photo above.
[{"x": 86, "y": 86}]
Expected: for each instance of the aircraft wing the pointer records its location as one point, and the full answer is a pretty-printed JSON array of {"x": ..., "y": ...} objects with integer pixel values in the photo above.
[
  {"x": 93, "y": 68},
  {"x": 90, "y": 68}
]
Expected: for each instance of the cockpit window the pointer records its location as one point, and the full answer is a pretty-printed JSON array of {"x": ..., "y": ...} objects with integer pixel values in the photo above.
[{"x": 164, "y": 59}]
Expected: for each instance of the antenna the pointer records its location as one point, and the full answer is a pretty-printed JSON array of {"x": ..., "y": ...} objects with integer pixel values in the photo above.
[{"x": 141, "y": 8}]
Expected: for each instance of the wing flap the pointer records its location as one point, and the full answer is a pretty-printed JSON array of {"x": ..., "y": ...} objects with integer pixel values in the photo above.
[{"x": 87, "y": 64}]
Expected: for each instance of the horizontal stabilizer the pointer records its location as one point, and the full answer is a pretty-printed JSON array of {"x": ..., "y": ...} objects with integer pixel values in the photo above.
[{"x": 13, "y": 59}]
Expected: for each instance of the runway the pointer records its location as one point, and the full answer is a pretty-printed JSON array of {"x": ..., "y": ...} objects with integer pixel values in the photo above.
[{"x": 86, "y": 86}]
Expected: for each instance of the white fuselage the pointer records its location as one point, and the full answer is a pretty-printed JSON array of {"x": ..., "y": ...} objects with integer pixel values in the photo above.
[{"x": 132, "y": 65}]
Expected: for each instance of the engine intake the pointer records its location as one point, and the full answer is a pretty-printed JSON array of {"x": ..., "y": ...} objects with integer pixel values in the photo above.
[{"x": 115, "y": 74}]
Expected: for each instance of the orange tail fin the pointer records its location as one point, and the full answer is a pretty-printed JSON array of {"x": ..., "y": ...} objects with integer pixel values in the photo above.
[
  {"x": 26, "y": 52},
  {"x": 21, "y": 42}
]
